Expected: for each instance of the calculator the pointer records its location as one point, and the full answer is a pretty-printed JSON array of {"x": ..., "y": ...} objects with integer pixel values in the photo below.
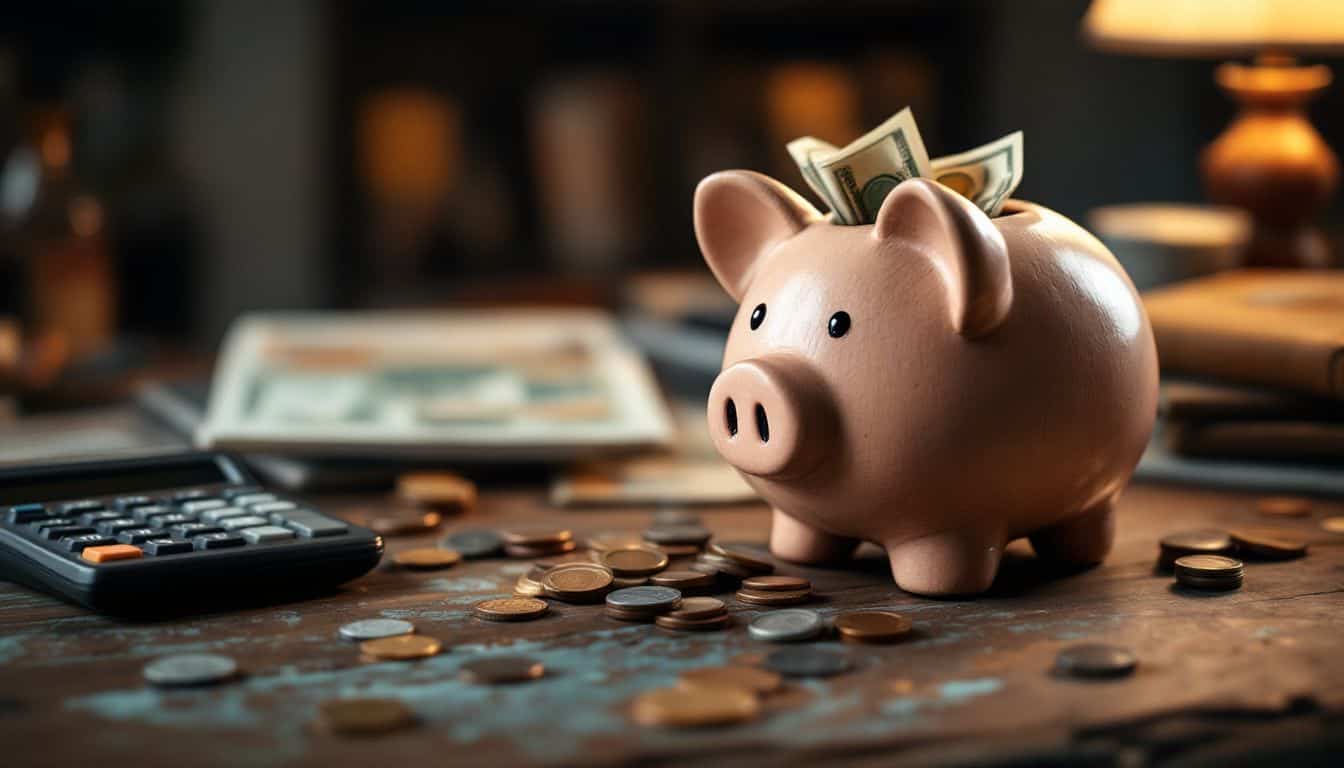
[{"x": 166, "y": 534}]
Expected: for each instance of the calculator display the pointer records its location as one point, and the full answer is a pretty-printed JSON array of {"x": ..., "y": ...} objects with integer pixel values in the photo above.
[{"x": 86, "y": 482}]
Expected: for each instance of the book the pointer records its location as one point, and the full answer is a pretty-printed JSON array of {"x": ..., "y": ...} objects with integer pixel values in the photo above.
[{"x": 1277, "y": 328}]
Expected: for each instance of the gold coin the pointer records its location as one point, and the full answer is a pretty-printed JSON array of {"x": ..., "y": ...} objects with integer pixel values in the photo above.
[
  {"x": 1268, "y": 543},
  {"x": 759, "y": 681},
  {"x": 1333, "y": 524},
  {"x": 695, "y": 707},
  {"x": 438, "y": 490},
  {"x": 775, "y": 583},
  {"x": 510, "y": 609},
  {"x": 577, "y": 581},
  {"x": 1284, "y": 506},
  {"x": 401, "y": 647},
  {"x": 427, "y": 558},
  {"x": 635, "y": 561},
  {"x": 364, "y": 717},
  {"x": 872, "y": 626}
]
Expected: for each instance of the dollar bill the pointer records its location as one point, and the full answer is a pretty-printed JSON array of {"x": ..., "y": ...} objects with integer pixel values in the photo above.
[
  {"x": 803, "y": 151},
  {"x": 859, "y": 176},
  {"x": 986, "y": 175}
]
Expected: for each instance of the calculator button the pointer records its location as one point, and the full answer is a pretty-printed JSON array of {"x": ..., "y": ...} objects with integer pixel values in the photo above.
[
  {"x": 131, "y": 502},
  {"x": 248, "y": 500},
  {"x": 116, "y": 525},
  {"x": 218, "y": 541},
  {"x": 87, "y": 505},
  {"x": 266, "y": 533},
  {"x": 78, "y": 543},
  {"x": 270, "y": 507},
  {"x": 62, "y": 531},
  {"x": 238, "y": 523},
  {"x": 239, "y": 490},
  {"x": 26, "y": 513},
  {"x": 163, "y": 521},
  {"x": 106, "y": 553},
  {"x": 223, "y": 513},
  {"x": 52, "y": 522},
  {"x": 144, "y": 513},
  {"x": 200, "y": 505},
  {"x": 156, "y": 547},
  {"x": 313, "y": 526},
  {"x": 191, "y": 493},
  {"x": 192, "y": 530},
  {"x": 137, "y": 535},
  {"x": 94, "y": 518}
]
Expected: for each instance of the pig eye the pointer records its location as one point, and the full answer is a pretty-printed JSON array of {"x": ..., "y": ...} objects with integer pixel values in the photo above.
[
  {"x": 839, "y": 325},
  {"x": 757, "y": 316}
]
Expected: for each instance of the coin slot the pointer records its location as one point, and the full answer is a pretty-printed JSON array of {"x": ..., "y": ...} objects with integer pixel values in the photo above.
[
  {"x": 762, "y": 424},
  {"x": 730, "y": 413}
]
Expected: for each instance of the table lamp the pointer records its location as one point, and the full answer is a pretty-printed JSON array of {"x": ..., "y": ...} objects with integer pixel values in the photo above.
[{"x": 1270, "y": 160}]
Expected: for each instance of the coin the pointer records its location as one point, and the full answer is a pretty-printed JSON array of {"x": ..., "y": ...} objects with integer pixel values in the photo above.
[
  {"x": 498, "y": 670},
  {"x": 644, "y": 600},
  {"x": 1284, "y": 506},
  {"x": 190, "y": 669},
  {"x": 622, "y": 582},
  {"x": 577, "y": 582},
  {"x": 666, "y": 517},
  {"x": 773, "y": 598},
  {"x": 758, "y": 681},
  {"x": 806, "y": 661},
  {"x": 668, "y": 621},
  {"x": 527, "y": 586},
  {"x": 372, "y": 629},
  {"x": 1095, "y": 660},
  {"x": 535, "y": 537},
  {"x": 720, "y": 565},
  {"x": 1333, "y": 524},
  {"x": 696, "y": 535},
  {"x": 541, "y": 550},
  {"x": 404, "y": 525},
  {"x": 401, "y": 647},
  {"x": 695, "y": 707},
  {"x": 605, "y": 542},
  {"x": 363, "y": 717},
  {"x": 872, "y": 626},
  {"x": 1268, "y": 543},
  {"x": 634, "y": 561},
  {"x": 427, "y": 558},
  {"x": 1206, "y": 541},
  {"x": 683, "y": 580},
  {"x": 1211, "y": 572},
  {"x": 742, "y": 558},
  {"x": 786, "y": 626},
  {"x": 775, "y": 583},
  {"x": 475, "y": 543},
  {"x": 438, "y": 490},
  {"x": 699, "y": 608},
  {"x": 510, "y": 609}
]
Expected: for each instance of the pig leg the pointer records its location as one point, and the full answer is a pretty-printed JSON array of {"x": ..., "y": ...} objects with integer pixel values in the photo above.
[
  {"x": 1081, "y": 540},
  {"x": 947, "y": 563},
  {"x": 801, "y": 543}
]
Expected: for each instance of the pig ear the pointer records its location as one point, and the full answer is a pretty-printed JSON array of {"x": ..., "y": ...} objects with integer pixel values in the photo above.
[
  {"x": 739, "y": 217},
  {"x": 967, "y": 250}
]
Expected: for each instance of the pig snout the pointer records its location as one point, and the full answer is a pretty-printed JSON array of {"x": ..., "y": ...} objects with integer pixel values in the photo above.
[{"x": 771, "y": 416}]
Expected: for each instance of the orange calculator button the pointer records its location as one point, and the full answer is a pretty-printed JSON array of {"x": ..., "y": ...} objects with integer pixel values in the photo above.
[{"x": 110, "y": 552}]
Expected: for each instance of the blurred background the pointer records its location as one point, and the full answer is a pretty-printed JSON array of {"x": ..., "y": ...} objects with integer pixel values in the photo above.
[{"x": 169, "y": 165}]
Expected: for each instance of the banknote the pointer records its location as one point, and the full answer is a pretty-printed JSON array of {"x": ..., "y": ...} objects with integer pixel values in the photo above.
[
  {"x": 986, "y": 175},
  {"x": 803, "y": 151},
  {"x": 859, "y": 176}
]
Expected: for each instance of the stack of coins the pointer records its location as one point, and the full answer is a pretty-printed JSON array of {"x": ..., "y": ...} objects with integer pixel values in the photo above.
[
  {"x": 510, "y": 609},
  {"x": 1209, "y": 572},
  {"x": 731, "y": 565},
  {"x": 774, "y": 590},
  {"x": 1206, "y": 541},
  {"x": 442, "y": 491},
  {"x": 642, "y": 603},
  {"x": 532, "y": 543},
  {"x": 635, "y": 562},
  {"x": 577, "y": 582},
  {"x": 696, "y": 614},
  {"x": 1265, "y": 543},
  {"x": 872, "y": 626}
]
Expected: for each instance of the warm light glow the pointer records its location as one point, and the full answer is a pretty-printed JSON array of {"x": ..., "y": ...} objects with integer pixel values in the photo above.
[{"x": 1216, "y": 27}]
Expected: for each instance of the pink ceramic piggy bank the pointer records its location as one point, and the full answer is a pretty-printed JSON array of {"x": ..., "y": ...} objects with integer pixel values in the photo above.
[{"x": 939, "y": 382}]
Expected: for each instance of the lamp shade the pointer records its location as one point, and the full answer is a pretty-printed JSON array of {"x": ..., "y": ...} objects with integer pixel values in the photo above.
[{"x": 1216, "y": 27}]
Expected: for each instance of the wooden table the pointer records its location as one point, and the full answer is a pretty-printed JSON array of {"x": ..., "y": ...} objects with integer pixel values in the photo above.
[{"x": 1257, "y": 672}]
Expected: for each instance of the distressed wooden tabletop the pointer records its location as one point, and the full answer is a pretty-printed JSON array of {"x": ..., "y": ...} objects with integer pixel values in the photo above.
[{"x": 1257, "y": 673}]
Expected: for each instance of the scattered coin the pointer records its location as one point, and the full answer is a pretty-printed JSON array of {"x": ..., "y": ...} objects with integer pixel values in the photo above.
[
  {"x": 699, "y": 608},
  {"x": 641, "y": 603},
  {"x": 427, "y": 558},
  {"x": 1268, "y": 543},
  {"x": 624, "y": 582},
  {"x": 776, "y": 583},
  {"x": 605, "y": 542},
  {"x": 795, "y": 597},
  {"x": 528, "y": 586},
  {"x": 401, "y": 647},
  {"x": 523, "y": 552},
  {"x": 372, "y": 629},
  {"x": 1284, "y": 506},
  {"x": 759, "y": 681},
  {"x": 475, "y": 543},
  {"x": 577, "y": 582},
  {"x": 1333, "y": 524},
  {"x": 536, "y": 537},
  {"x": 787, "y": 626},
  {"x": 872, "y": 626},
  {"x": 668, "y": 621},
  {"x": 683, "y": 580},
  {"x": 1095, "y": 660},
  {"x": 500, "y": 670},
  {"x": 190, "y": 669},
  {"x": 691, "y": 535},
  {"x": 806, "y": 661},
  {"x": 1209, "y": 572},
  {"x": 364, "y": 717},
  {"x": 695, "y": 707},
  {"x": 1206, "y": 541},
  {"x": 510, "y": 609},
  {"x": 742, "y": 558},
  {"x": 443, "y": 491},
  {"x": 721, "y": 566},
  {"x": 403, "y": 524},
  {"x": 634, "y": 561}
]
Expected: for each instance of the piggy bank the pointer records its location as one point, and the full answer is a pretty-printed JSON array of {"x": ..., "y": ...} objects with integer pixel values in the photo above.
[{"x": 939, "y": 382}]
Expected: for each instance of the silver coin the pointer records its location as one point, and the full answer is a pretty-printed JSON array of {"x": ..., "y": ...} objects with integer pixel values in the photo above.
[
  {"x": 475, "y": 543},
  {"x": 786, "y": 626},
  {"x": 644, "y": 597},
  {"x": 1095, "y": 660},
  {"x": 807, "y": 661},
  {"x": 190, "y": 669},
  {"x": 372, "y": 629}
]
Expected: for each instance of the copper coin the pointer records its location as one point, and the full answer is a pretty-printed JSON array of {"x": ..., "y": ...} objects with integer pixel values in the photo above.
[
  {"x": 401, "y": 647},
  {"x": 364, "y": 717},
  {"x": 692, "y": 608},
  {"x": 426, "y": 558},
  {"x": 1284, "y": 506},
  {"x": 682, "y": 579},
  {"x": 695, "y": 707},
  {"x": 541, "y": 550},
  {"x": 667, "y": 621},
  {"x": 510, "y": 609},
  {"x": 759, "y": 681},
  {"x": 404, "y": 525},
  {"x": 501, "y": 670},
  {"x": 577, "y": 582},
  {"x": 1333, "y": 524},
  {"x": 742, "y": 558},
  {"x": 1209, "y": 572},
  {"x": 535, "y": 537},
  {"x": 872, "y": 626},
  {"x": 443, "y": 491},
  {"x": 634, "y": 561},
  {"x": 605, "y": 542},
  {"x": 774, "y": 598},
  {"x": 674, "y": 550},
  {"x": 1268, "y": 543},
  {"x": 1206, "y": 541},
  {"x": 775, "y": 583}
]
